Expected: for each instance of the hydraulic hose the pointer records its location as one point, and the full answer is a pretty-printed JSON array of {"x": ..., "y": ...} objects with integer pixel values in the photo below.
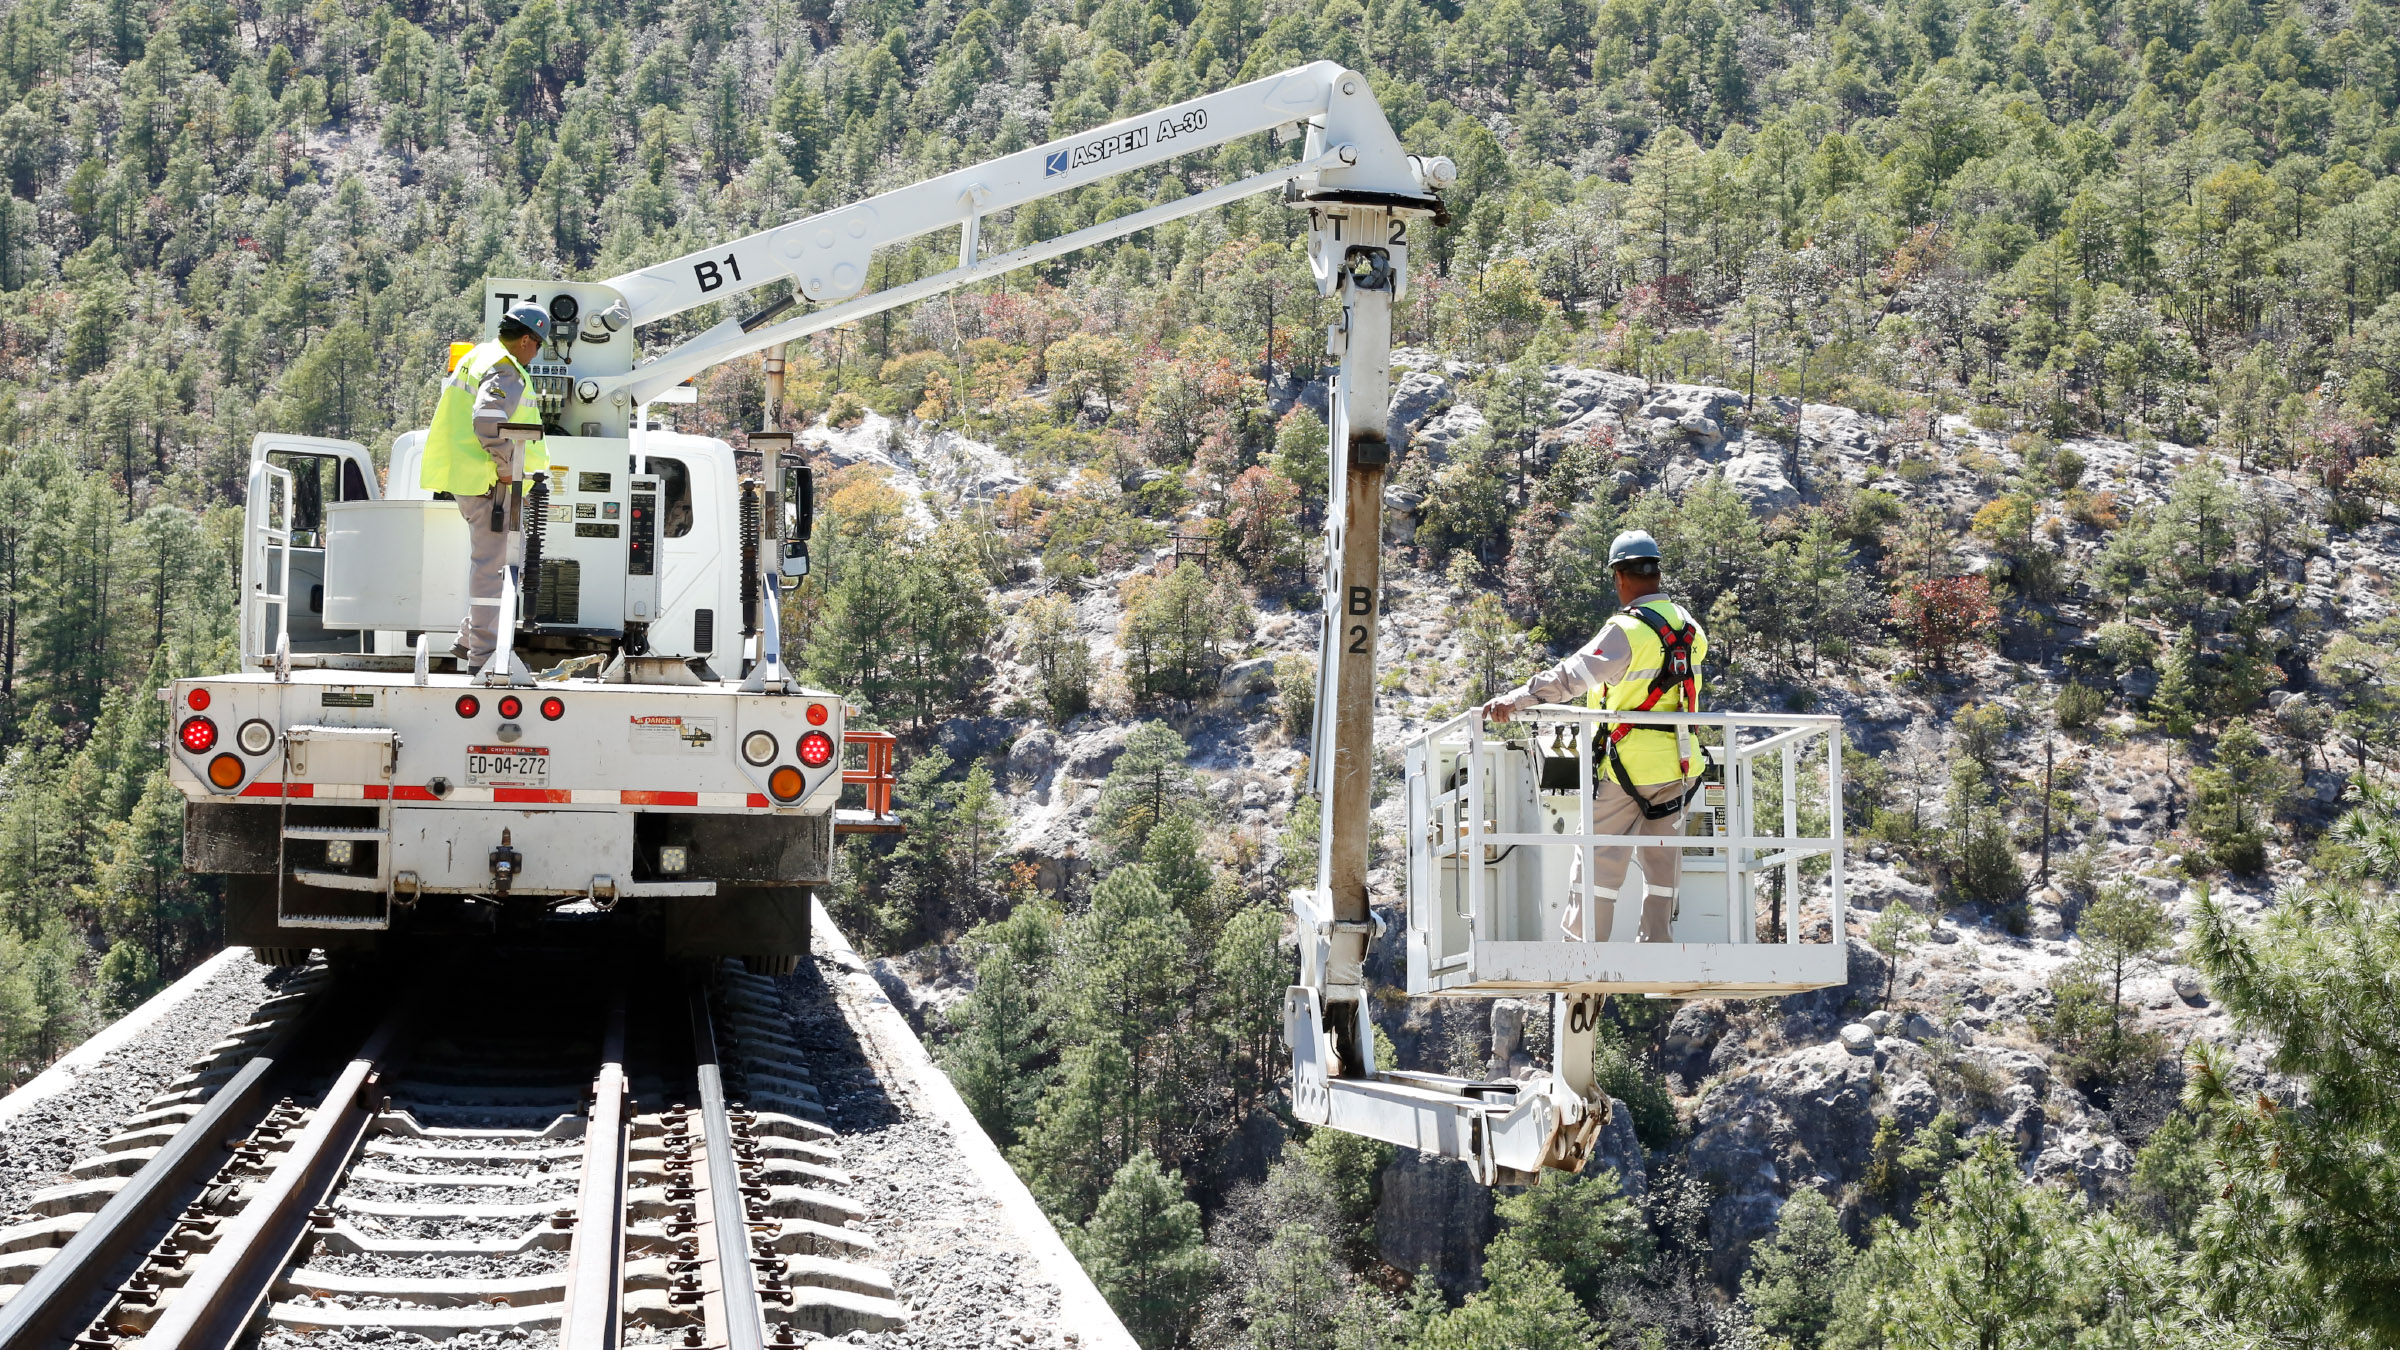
[
  {"x": 752, "y": 516},
  {"x": 537, "y": 514}
]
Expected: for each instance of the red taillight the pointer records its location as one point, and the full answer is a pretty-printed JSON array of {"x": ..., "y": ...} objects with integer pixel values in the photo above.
[
  {"x": 554, "y": 708},
  {"x": 198, "y": 699},
  {"x": 816, "y": 749},
  {"x": 468, "y": 705},
  {"x": 816, "y": 714},
  {"x": 511, "y": 707},
  {"x": 198, "y": 734}
]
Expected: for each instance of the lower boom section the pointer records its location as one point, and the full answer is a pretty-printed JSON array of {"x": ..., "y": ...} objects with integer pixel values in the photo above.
[{"x": 1506, "y": 1131}]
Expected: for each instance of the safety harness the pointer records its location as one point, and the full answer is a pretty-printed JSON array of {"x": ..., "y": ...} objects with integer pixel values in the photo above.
[{"x": 1675, "y": 670}]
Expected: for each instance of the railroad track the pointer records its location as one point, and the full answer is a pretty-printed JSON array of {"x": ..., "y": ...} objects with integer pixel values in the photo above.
[{"x": 590, "y": 1163}]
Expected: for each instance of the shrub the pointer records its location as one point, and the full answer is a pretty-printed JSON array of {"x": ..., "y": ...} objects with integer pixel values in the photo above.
[
  {"x": 1296, "y": 693},
  {"x": 845, "y": 412},
  {"x": 2125, "y": 646},
  {"x": 1942, "y": 615},
  {"x": 2080, "y": 705}
]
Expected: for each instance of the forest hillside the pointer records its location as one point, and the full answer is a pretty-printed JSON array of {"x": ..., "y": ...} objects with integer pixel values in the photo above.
[{"x": 2013, "y": 379}]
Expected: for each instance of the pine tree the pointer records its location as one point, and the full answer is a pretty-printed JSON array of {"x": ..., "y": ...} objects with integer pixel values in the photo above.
[
  {"x": 1142, "y": 1249},
  {"x": 1523, "y": 1306},
  {"x": 1148, "y": 784},
  {"x": 1183, "y": 872},
  {"x": 1582, "y": 1227},
  {"x": 1080, "y": 1135},
  {"x": 1249, "y": 972},
  {"x": 1790, "y": 1285},
  {"x": 1295, "y": 1293},
  {"x": 1984, "y": 1268},
  {"x": 2313, "y": 1179},
  {"x": 1003, "y": 1024}
]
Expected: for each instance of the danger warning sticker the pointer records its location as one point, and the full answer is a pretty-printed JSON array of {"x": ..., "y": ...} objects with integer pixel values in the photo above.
[{"x": 673, "y": 735}]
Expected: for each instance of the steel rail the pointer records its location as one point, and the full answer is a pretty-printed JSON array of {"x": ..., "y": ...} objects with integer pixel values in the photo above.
[
  {"x": 590, "y": 1317},
  {"x": 65, "y": 1295},
  {"x": 745, "y": 1323},
  {"x": 234, "y": 1278}
]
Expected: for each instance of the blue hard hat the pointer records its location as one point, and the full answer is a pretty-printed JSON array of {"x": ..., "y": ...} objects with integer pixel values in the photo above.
[
  {"x": 533, "y": 317},
  {"x": 1630, "y": 545}
]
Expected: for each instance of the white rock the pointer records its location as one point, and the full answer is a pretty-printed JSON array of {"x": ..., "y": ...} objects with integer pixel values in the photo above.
[
  {"x": 1759, "y": 476},
  {"x": 1416, "y": 396},
  {"x": 1242, "y": 678},
  {"x": 1090, "y": 755},
  {"x": 1437, "y": 436},
  {"x": 1858, "y": 1039}
]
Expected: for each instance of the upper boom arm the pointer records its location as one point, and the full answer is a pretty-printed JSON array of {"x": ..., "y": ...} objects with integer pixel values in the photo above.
[{"x": 826, "y": 255}]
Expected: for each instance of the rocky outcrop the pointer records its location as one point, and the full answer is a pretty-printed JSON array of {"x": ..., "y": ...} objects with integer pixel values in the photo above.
[
  {"x": 1434, "y": 1216},
  {"x": 1439, "y": 436},
  {"x": 1760, "y": 475}
]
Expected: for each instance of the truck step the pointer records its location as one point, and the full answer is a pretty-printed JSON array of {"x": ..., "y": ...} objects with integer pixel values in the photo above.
[{"x": 340, "y": 881}]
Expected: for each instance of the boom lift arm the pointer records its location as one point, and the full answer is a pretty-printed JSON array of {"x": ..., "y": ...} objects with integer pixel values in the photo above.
[
  {"x": 1363, "y": 193},
  {"x": 1351, "y": 155}
]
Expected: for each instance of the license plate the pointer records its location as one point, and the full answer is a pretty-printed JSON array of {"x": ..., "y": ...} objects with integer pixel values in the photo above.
[{"x": 508, "y": 766}]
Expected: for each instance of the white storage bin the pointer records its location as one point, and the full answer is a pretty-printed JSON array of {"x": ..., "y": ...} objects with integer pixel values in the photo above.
[{"x": 395, "y": 565}]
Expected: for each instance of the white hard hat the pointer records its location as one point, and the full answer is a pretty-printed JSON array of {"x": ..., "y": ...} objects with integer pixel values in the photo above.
[{"x": 1630, "y": 545}]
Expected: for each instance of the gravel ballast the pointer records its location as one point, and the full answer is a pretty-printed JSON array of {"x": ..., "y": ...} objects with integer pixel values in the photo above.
[
  {"x": 40, "y": 1142},
  {"x": 955, "y": 1247}
]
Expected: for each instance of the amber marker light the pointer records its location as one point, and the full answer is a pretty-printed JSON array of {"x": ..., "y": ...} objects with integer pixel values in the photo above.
[
  {"x": 226, "y": 771},
  {"x": 786, "y": 783}
]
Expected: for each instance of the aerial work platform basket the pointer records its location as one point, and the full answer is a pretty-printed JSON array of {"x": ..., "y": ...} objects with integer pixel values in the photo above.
[{"x": 1494, "y": 825}]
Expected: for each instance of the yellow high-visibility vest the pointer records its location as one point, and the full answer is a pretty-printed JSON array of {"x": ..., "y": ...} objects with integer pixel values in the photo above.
[
  {"x": 455, "y": 460},
  {"x": 1650, "y": 754}
]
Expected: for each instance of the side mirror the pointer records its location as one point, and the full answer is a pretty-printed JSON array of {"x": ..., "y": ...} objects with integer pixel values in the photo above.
[{"x": 797, "y": 499}]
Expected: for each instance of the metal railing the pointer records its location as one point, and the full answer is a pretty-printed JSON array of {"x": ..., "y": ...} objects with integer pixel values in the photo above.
[
  {"x": 1765, "y": 808},
  {"x": 271, "y": 493},
  {"x": 872, "y": 769}
]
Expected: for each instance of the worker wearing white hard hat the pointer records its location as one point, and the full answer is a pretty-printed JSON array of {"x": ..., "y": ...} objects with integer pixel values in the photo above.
[
  {"x": 467, "y": 457},
  {"x": 1646, "y": 658}
]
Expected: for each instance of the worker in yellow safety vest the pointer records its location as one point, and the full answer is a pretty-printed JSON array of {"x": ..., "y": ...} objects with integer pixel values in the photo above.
[
  {"x": 466, "y": 456},
  {"x": 1646, "y": 659}
]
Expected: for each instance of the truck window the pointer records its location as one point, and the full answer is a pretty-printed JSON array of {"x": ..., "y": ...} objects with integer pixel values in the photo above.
[
  {"x": 315, "y": 480},
  {"x": 675, "y": 488}
]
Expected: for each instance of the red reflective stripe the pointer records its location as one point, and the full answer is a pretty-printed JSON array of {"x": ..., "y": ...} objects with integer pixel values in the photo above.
[{"x": 403, "y": 792}]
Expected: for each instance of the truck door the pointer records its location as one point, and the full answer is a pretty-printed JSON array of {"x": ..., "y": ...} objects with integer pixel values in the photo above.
[
  {"x": 292, "y": 479},
  {"x": 695, "y": 521}
]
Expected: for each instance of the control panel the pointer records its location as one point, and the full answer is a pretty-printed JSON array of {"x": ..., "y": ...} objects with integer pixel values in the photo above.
[{"x": 641, "y": 549}]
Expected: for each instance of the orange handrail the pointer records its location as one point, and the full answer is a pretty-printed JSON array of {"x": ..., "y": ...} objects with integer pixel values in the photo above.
[{"x": 877, "y": 774}]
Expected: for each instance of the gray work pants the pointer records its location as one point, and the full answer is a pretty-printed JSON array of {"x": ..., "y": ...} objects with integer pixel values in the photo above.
[
  {"x": 1614, "y": 811},
  {"x": 487, "y": 563}
]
